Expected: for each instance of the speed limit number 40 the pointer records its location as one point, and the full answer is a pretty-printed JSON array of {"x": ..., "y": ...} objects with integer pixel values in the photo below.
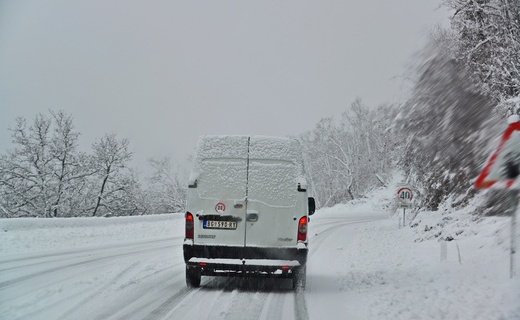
[{"x": 405, "y": 196}]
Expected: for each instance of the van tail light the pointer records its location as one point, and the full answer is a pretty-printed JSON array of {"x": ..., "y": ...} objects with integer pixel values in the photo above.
[
  {"x": 302, "y": 228},
  {"x": 189, "y": 225}
]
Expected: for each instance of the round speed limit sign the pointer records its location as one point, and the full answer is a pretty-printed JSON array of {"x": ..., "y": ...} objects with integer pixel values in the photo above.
[{"x": 405, "y": 196}]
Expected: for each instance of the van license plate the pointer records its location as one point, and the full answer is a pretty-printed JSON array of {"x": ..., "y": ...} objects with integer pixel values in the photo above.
[{"x": 212, "y": 224}]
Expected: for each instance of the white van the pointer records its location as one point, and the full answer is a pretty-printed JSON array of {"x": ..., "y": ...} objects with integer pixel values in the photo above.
[{"x": 247, "y": 210}]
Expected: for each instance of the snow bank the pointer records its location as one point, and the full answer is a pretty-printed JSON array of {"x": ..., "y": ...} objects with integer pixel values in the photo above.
[
  {"x": 376, "y": 270},
  {"x": 24, "y": 235},
  {"x": 380, "y": 200}
]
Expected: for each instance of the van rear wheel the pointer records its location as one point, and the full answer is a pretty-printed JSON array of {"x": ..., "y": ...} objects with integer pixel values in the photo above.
[
  {"x": 192, "y": 277},
  {"x": 299, "y": 278}
]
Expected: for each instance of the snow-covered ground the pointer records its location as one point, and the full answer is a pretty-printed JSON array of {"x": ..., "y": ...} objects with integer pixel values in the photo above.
[{"x": 361, "y": 266}]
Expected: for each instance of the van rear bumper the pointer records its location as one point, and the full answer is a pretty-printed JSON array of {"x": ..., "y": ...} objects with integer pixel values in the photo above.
[
  {"x": 244, "y": 267},
  {"x": 228, "y": 252}
]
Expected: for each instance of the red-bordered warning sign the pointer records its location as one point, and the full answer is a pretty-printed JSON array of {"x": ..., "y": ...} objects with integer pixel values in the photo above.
[{"x": 503, "y": 166}]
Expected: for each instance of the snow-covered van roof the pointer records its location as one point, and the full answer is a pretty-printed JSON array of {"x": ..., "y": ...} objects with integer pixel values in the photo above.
[
  {"x": 259, "y": 148},
  {"x": 270, "y": 168},
  {"x": 265, "y": 147},
  {"x": 214, "y": 147}
]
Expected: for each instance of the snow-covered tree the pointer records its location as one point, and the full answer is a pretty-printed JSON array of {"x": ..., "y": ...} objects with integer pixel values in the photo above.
[
  {"x": 45, "y": 175},
  {"x": 446, "y": 123},
  {"x": 487, "y": 34},
  {"x": 348, "y": 157},
  {"x": 42, "y": 174},
  {"x": 167, "y": 186},
  {"x": 110, "y": 159}
]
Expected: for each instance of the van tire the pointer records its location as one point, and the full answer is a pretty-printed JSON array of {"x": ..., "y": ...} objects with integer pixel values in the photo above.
[
  {"x": 299, "y": 278},
  {"x": 192, "y": 277}
]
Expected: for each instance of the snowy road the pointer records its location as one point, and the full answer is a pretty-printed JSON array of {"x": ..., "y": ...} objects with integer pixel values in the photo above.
[
  {"x": 145, "y": 280},
  {"x": 360, "y": 266}
]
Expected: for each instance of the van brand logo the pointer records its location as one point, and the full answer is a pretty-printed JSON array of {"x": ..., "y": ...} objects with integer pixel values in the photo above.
[{"x": 220, "y": 207}]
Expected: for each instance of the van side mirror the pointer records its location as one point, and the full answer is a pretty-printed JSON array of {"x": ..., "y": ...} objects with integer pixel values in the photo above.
[{"x": 312, "y": 206}]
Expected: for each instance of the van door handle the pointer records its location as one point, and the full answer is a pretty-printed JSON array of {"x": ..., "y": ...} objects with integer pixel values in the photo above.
[{"x": 252, "y": 217}]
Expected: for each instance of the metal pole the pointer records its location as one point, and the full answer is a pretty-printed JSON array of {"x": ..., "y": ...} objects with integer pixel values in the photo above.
[
  {"x": 513, "y": 235},
  {"x": 404, "y": 216}
]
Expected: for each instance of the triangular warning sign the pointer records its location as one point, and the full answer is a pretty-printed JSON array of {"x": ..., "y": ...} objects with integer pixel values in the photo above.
[{"x": 503, "y": 166}]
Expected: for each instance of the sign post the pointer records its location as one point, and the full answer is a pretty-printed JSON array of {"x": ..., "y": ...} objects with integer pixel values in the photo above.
[
  {"x": 404, "y": 200},
  {"x": 501, "y": 172},
  {"x": 513, "y": 239}
]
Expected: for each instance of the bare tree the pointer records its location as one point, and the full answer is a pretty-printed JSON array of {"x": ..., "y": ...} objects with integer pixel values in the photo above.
[{"x": 111, "y": 156}]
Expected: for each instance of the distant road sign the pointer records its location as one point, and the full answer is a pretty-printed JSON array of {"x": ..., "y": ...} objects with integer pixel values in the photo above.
[
  {"x": 405, "y": 196},
  {"x": 503, "y": 166}
]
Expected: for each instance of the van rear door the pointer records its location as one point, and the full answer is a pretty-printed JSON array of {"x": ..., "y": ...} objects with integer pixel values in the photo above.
[
  {"x": 274, "y": 204},
  {"x": 218, "y": 201}
]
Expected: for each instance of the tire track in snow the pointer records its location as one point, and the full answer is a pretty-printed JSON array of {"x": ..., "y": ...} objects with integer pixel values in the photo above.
[
  {"x": 149, "y": 293},
  {"x": 300, "y": 303},
  {"x": 73, "y": 291},
  {"x": 34, "y": 313},
  {"x": 43, "y": 283},
  {"x": 246, "y": 306},
  {"x": 164, "y": 307},
  {"x": 173, "y": 302},
  {"x": 11, "y": 282},
  {"x": 276, "y": 311},
  {"x": 85, "y": 300},
  {"x": 108, "y": 252},
  {"x": 300, "y": 306},
  {"x": 79, "y": 293},
  {"x": 86, "y": 250},
  {"x": 140, "y": 301}
]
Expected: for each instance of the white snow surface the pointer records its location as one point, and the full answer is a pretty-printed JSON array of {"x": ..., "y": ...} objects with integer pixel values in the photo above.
[
  {"x": 360, "y": 266},
  {"x": 215, "y": 147}
]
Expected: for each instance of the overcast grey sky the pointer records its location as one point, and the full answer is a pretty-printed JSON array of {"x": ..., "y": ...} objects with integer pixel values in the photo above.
[{"x": 161, "y": 73}]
